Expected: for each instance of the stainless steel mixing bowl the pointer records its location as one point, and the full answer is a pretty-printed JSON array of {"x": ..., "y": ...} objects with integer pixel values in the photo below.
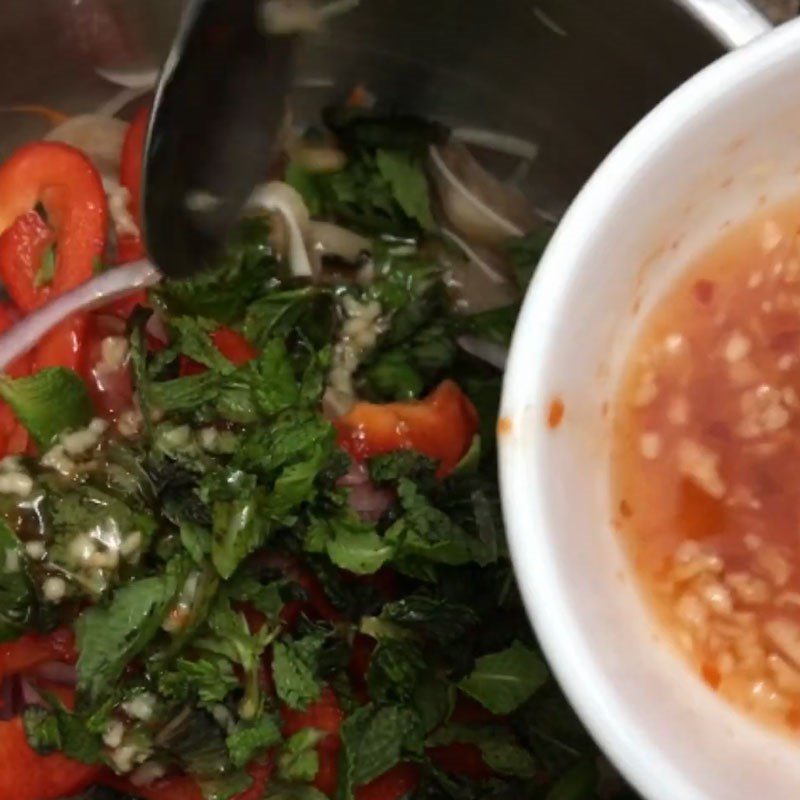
[{"x": 570, "y": 75}]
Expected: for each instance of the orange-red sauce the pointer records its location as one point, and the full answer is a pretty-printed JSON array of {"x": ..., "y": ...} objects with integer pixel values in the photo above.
[
  {"x": 706, "y": 464},
  {"x": 555, "y": 412}
]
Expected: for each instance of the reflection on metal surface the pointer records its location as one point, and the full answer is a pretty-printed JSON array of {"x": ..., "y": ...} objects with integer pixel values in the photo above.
[{"x": 735, "y": 22}]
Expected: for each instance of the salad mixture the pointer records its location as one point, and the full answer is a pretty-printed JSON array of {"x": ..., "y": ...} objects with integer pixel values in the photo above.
[{"x": 250, "y": 542}]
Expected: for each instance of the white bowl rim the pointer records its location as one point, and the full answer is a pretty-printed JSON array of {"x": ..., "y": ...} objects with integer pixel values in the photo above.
[{"x": 532, "y": 547}]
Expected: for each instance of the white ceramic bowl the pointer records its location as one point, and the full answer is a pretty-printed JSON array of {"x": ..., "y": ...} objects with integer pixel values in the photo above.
[{"x": 726, "y": 141}]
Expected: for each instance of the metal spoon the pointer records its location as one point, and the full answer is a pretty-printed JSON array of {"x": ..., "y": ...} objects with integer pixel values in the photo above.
[{"x": 219, "y": 105}]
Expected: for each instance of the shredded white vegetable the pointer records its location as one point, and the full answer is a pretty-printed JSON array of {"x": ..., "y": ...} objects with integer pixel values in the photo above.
[
  {"x": 493, "y": 354},
  {"x": 287, "y": 201}
]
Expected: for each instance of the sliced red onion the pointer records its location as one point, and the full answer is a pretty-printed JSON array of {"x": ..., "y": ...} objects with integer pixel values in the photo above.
[
  {"x": 58, "y": 672},
  {"x": 112, "y": 285},
  {"x": 156, "y": 327},
  {"x": 355, "y": 476},
  {"x": 491, "y": 353},
  {"x": 370, "y": 502},
  {"x": 30, "y": 695}
]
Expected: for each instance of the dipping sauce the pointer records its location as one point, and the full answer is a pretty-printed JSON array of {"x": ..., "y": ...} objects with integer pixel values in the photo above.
[{"x": 706, "y": 464}]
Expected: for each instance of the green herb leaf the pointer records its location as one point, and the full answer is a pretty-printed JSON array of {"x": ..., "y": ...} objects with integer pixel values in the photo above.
[
  {"x": 500, "y": 750},
  {"x": 436, "y": 619},
  {"x": 191, "y": 336},
  {"x": 428, "y": 533},
  {"x": 394, "y": 671},
  {"x": 351, "y": 544},
  {"x": 108, "y": 637},
  {"x": 57, "y": 729},
  {"x": 277, "y": 388},
  {"x": 391, "y": 467},
  {"x": 17, "y": 598},
  {"x": 503, "y": 681},
  {"x": 373, "y": 741},
  {"x": 294, "y": 669},
  {"x": 405, "y": 176},
  {"x": 250, "y": 740},
  {"x": 298, "y": 761},
  {"x": 278, "y": 790},
  {"x": 210, "y": 679},
  {"x": 51, "y": 401}
]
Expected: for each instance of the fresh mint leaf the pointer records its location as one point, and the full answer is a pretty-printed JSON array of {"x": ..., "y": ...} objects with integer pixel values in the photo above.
[
  {"x": 297, "y": 760},
  {"x": 375, "y": 739},
  {"x": 17, "y": 598},
  {"x": 226, "y": 786},
  {"x": 263, "y": 597},
  {"x": 394, "y": 670},
  {"x": 194, "y": 740},
  {"x": 56, "y": 729},
  {"x": 223, "y": 292},
  {"x": 406, "y": 177},
  {"x": 391, "y": 467},
  {"x": 425, "y": 532},
  {"x": 238, "y": 524},
  {"x": 295, "y": 667},
  {"x": 47, "y": 403},
  {"x": 197, "y": 541},
  {"x": 109, "y": 636},
  {"x": 501, "y": 752},
  {"x": 366, "y": 129},
  {"x": 278, "y": 790},
  {"x": 210, "y": 679},
  {"x": 350, "y": 544},
  {"x": 229, "y": 636},
  {"x": 186, "y": 394},
  {"x": 250, "y": 740},
  {"x": 502, "y": 682},
  {"x": 191, "y": 337},
  {"x": 281, "y": 312},
  {"x": 276, "y": 389},
  {"x": 434, "y": 618}
]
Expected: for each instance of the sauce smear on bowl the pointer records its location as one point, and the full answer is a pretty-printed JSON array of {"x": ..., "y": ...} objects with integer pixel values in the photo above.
[{"x": 706, "y": 464}]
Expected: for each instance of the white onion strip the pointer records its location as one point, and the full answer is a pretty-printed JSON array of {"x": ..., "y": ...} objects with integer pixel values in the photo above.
[
  {"x": 492, "y": 274},
  {"x": 493, "y": 354},
  {"x": 504, "y": 143},
  {"x": 112, "y": 285}
]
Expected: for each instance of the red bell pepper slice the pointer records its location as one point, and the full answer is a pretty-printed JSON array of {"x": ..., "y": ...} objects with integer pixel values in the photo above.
[
  {"x": 441, "y": 426},
  {"x": 33, "y": 649},
  {"x": 325, "y": 715},
  {"x": 392, "y": 785},
  {"x": 129, "y": 247},
  {"x": 25, "y": 775},
  {"x": 64, "y": 182}
]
